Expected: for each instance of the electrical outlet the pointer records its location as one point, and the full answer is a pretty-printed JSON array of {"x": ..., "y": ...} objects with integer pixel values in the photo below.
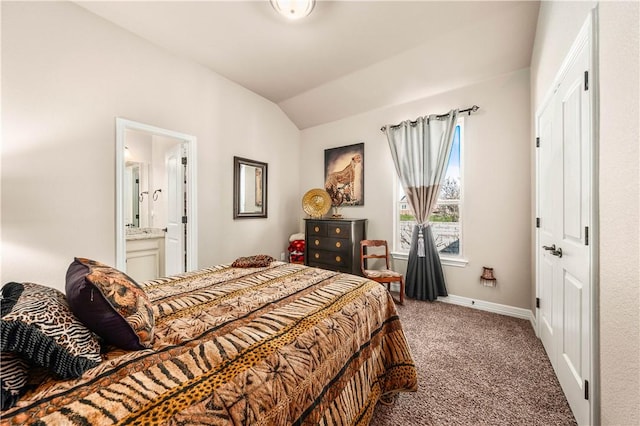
[{"x": 282, "y": 256}]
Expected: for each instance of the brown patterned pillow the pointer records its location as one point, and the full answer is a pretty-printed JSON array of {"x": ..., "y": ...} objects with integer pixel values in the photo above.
[
  {"x": 110, "y": 303},
  {"x": 257, "y": 261}
]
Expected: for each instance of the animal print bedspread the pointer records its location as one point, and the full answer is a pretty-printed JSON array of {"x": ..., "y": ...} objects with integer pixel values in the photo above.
[{"x": 282, "y": 345}]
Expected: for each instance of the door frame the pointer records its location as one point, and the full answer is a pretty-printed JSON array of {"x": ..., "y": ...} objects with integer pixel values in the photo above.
[
  {"x": 122, "y": 125},
  {"x": 587, "y": 34}
]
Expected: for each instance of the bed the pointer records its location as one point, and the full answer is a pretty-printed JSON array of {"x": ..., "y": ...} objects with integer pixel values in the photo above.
[{"x": 284, "y": 344}]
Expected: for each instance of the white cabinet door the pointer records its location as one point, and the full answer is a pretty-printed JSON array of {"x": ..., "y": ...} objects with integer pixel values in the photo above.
[{"x": 144, "y": 258}]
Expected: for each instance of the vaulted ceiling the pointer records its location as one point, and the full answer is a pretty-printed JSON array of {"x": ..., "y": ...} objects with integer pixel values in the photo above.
[{"x": 347, "y": 57}]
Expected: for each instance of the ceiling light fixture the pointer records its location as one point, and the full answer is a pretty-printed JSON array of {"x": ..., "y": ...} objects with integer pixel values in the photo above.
[{"x": 293, "y": 9}]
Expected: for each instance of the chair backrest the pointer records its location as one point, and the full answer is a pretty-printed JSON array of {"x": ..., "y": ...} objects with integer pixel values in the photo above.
[{"x": 366, "y": 253}]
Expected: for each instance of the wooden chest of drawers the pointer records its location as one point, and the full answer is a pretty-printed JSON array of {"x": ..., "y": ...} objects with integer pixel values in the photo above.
[{"x": 334, "y": 244}]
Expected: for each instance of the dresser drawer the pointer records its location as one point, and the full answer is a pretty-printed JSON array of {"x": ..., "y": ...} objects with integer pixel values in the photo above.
[
  {"x": 316, "y": 229},
  {"x": 328, "y": 258},
  {"x": 339, "y": 230},
  {"x": 331, "y": 244}
]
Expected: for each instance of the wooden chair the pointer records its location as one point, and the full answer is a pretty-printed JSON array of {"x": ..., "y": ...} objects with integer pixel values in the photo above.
[{"x": 372, "y": 249}]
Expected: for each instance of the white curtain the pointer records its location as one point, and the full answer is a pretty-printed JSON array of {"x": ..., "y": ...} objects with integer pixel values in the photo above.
[{"x": 420, "y": 150}]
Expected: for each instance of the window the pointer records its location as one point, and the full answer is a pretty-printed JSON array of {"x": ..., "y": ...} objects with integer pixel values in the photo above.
[{"x": 446, "y": 219}]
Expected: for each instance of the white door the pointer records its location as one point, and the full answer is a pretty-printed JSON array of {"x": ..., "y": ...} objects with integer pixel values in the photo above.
[
  {"x": 564, "y": 257},
  {"x": 573, "y": 271},
  {"x": 547, "y": 171},
  {"x": 175, "y": 236}
]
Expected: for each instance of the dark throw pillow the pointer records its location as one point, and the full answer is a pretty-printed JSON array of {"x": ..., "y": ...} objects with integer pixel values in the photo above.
[
  {"x": 110, "y": 303},
  {"x": 39, "y": 329},
  {"x": 257, "y": 261}
]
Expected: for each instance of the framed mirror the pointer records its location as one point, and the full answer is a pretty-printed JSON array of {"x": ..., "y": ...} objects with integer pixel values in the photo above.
[{"x": 249, "y": 188}]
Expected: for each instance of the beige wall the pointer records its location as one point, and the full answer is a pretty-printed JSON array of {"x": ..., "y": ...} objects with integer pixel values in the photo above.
[
  {"x": 66, "y": 75},
  {"x": 496, "y": 180},
  {"x": 619, "y": 184},
  {"x": 619, "y": 212}
]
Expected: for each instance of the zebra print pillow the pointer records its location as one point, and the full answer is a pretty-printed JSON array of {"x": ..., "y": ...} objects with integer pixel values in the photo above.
[
  {"x": 15, "y": 372},
  {"x": 39, "y": 329}
]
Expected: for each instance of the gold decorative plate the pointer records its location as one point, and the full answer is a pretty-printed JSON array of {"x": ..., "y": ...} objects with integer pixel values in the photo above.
[{"x": 316, "y": 202}]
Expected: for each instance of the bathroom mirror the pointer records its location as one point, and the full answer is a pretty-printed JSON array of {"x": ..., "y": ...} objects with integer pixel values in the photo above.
[
  {"x": 249, "y": 188},
  {"x": 136, "y": 195},
  {"x": 131, "y": 190}
]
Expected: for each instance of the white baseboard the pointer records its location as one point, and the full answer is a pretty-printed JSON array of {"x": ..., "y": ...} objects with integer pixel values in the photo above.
[
  {"x": 534, "y": 323},
  {"x": 496, "y": 308}
]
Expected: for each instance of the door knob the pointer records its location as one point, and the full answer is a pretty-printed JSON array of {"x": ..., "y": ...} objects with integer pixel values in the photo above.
[
  {"x": 553, "y": 247},
  {"x": 557, "y": 252}
]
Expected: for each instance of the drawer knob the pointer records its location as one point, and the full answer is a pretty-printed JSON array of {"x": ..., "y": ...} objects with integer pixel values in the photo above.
[
  {"x": 317, "y": 256},
  {"x": 337, "y": 230},
  {"x": 338, "y": 258},
  {"x": 317, "y": 229},
  {"x": 338, "y": 244},
  {"x": 317, "y": 242}
]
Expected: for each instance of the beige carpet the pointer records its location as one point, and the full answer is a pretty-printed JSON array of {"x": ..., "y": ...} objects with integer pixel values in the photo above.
[{"x": 475, "y": 368}]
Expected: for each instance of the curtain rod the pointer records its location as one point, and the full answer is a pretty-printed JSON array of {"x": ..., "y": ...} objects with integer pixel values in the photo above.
[{"x": 467, "y": 110}]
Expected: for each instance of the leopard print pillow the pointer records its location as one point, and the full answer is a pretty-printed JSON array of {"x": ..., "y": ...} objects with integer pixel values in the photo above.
[
  {"x": 257, "y": 261},
  {"x": 39, "y": 329}
]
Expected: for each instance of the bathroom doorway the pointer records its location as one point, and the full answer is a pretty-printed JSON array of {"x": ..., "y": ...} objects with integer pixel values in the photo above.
[{"x": 155, "y": 201}]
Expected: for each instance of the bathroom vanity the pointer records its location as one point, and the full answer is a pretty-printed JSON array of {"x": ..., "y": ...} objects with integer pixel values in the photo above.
[{"x": 145, "y": 253}]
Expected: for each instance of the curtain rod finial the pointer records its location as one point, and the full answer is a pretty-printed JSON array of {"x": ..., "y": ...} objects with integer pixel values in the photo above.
[{"x": 472, "y": 109}]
